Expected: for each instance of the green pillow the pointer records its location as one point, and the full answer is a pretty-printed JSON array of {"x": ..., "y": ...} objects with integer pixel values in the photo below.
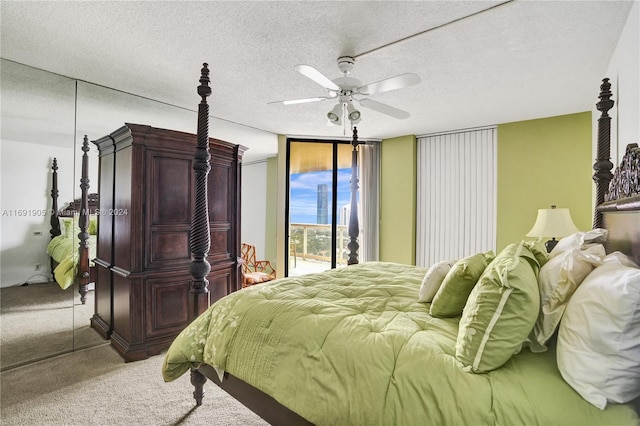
[
  {"x": 541, "y": 255},
  {"x": 458, "y": 283},
  {"x": 68, "y": 227},
  {"x": 501, "y": 311},
  {"x": 93, "y": 225}
]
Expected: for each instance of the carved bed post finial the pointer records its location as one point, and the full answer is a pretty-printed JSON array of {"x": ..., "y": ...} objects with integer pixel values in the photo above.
[
  {"x": 603, "y": 164},
  {"x": 200, "y": 239},
  {"x": 83, "y": 222},
  {"x": 353, "y": 215}
]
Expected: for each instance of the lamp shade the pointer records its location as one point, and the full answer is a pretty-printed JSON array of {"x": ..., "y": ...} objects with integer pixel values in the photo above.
[{"x": 553, "y": 222}]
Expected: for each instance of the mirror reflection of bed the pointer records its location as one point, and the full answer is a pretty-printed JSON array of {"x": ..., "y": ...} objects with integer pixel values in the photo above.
[
  {"x": 31, "y": 97},
  {"x": 45, "y": 115}
]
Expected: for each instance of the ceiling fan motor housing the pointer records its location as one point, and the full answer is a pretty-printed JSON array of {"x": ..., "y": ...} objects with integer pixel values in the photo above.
[{"x": 346, "y": 63}]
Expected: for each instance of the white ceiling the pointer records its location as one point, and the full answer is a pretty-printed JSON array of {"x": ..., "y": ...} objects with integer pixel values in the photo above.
[{"x": 517, "y": 60}]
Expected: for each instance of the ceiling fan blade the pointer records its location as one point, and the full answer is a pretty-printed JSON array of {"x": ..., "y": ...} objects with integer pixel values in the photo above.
[
  {"x": 316, "y": 76},
  {"x": 299, "y": 101},
  {"x": 398, "y": 82},
  {"x": 385, "y": 109}
]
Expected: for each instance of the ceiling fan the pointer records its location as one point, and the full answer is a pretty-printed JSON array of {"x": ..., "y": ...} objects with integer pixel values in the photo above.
[{"x": 347, "y": 90}]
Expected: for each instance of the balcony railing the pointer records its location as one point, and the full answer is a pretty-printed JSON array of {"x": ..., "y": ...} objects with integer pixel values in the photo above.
[{"x": 308, "y": 241}]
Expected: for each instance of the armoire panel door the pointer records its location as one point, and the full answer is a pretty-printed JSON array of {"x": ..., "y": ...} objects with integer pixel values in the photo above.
[
  {"x": 167, "y": 305},
  {"x": 219, "y": 284},
  {"x": 218, "y": 189},
  {"x": 104, "y": 249},
  {"x": 170, "y": 184},
  {"x": 169, "y": 247},
  {"x": 220, "y": 185},
  {"x": 103, "y": 297},
  {"x": 122, "y": 204}
]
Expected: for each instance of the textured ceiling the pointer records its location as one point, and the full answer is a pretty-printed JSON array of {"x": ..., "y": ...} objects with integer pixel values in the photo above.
[{"x": 516, "y": 60}]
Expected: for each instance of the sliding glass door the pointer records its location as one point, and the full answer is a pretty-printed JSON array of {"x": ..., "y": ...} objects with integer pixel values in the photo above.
[{"x": 317, "y": 205}]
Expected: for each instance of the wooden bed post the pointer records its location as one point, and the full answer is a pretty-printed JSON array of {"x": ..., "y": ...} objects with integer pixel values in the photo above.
[
  {"x": 198, "y": 380},
  {"x": 353, "y": 215},
  {"x": 54, "y": 221},
  {"x": 83, "y": 249},
  {"x": 603, "y": 164},
  {"x": 200, "y": 239}
]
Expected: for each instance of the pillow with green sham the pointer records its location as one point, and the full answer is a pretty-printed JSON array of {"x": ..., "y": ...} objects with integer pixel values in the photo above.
[
  {"x": 458, "y": 283},
  {"x": 501, "y": 310}
]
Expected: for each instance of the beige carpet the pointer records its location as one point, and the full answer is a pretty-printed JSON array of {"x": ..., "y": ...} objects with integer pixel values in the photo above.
[
  {"x": 41, "y": 320},
  {"x": 95, "y": 387}
]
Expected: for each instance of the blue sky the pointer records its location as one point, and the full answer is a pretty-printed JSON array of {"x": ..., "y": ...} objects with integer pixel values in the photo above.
[{"x": 304, "y": 193}]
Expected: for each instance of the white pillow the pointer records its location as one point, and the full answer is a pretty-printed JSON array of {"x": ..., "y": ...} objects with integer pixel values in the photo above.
[
  {"x": 598, "y": 347},
  {"x": 432, "y": 280},
  {"x": 620, "y": 258},
  {"x": 579, "y": 240},
  {"x": 559, "y": 278}
]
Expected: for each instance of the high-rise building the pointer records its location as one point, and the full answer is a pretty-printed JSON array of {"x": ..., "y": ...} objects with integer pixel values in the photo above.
[
  {"x": 345, "y": 212},
  {"x": 323, "y": 204}
]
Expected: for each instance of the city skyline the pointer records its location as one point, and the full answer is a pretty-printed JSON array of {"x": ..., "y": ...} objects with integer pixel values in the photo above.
[{"x": 303, "y": 200}]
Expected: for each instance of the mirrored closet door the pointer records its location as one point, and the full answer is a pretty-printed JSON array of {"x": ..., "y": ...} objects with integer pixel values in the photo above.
[
  {"x": 38, "y": 125},
  {"x": 46, "y": 116}
]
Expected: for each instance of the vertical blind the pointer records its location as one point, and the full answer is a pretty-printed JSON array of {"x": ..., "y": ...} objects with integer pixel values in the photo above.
[
  {"x": 369, "y": 208},
  {"x": 456, "y": 201}
]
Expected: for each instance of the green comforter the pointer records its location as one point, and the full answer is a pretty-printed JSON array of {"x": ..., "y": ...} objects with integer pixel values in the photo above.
[
  {"x": 64, "y": 251},
  {"x": 352, "y": 346}
]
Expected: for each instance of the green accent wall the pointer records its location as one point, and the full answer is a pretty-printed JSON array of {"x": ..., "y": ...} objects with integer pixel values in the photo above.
[
  {"x": 398, "y": 200},
  {"x": 540, "y": 162},
  {"x": 543, "y": 162}
]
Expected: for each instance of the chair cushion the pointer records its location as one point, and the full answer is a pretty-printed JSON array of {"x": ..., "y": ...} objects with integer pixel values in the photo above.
[{"x": 256, "y": 277}]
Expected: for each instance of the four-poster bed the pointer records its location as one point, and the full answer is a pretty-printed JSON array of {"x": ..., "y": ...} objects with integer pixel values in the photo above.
[
  {"x": 71, "y": 246},
  {"x": 354, "y": 346}
]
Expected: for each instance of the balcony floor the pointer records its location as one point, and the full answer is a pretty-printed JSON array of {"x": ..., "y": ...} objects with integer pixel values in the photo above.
[{"x": 308, "y": 266}]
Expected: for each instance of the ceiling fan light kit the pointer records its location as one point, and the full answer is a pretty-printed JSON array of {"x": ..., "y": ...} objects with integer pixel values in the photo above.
[
  {"x": 349, "y": 89},
  {"x": 354, "y": 114},
  {"x": 335, "y": 115}
]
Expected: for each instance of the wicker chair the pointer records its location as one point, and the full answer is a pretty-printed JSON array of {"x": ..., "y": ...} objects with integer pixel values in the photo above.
[{"x": 255, "y": 271}]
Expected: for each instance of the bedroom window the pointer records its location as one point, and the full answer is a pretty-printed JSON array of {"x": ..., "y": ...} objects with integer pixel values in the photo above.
[
  {"x": 317, "y": 205},
  {"x": 456, "y": 202}
]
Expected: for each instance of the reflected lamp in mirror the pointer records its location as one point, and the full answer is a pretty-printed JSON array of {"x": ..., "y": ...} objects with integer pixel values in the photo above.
[{"x": 552, "y": 223}]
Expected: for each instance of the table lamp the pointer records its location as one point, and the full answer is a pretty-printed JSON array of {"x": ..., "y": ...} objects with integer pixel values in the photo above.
[{"x": 553, "y": 223}]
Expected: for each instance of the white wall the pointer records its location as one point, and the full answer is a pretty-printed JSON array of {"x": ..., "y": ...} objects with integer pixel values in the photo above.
[
  {"x": 254, "y": 204},
  {"x": 624, "y": 74},
  {"x": 26, "y": 205}
]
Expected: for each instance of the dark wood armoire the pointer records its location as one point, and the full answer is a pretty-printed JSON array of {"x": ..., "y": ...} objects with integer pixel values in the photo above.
[{"x": 147, "y": 190}]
